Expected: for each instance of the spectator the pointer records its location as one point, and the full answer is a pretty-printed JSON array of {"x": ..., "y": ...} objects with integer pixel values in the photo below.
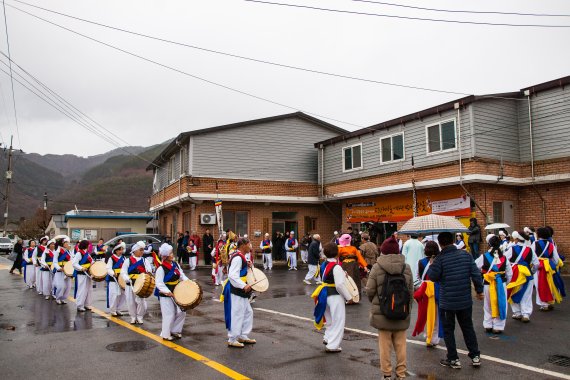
[
  {"x": 19, "y": 250},
  {"x": 197, "y": 242},
  {"x": 180, "y": 246},
  {"x": 400, "y": 242},
  {"x": 474, "y": 237},
  {"x": 413, "y": 251},
  {"x": 391, "y": 333},
  {"x": 369, "y": 250},
  {"x": 454, "y": 270},
  {"x": 354, "y": 236},
  {"x": 278, "y": 246},
  {"x": 207, "y": 246},
  {"x": 314, "y": 254}
]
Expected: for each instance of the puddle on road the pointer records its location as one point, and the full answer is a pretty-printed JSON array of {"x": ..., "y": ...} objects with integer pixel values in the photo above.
[{"x": 131, "y": 346}]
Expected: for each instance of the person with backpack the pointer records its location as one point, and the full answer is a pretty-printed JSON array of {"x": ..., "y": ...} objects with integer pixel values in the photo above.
[
  {"x": 390, "y": 288},
  {"x": 455, "y": 270}
]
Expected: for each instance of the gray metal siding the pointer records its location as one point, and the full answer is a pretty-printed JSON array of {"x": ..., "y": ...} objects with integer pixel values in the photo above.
[
  {"x": 496, "y": 129},
  {"x": 280, "y": 150},
  {"x": 414, "y": 144},
  {"x": 551, "y": 125}
]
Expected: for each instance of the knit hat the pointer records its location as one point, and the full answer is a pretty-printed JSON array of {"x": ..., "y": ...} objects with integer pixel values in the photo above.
[
  {"x": 165, "y": 250},
  {"x": 344, "y": 240},
  {"x": 390, "y": 246}
]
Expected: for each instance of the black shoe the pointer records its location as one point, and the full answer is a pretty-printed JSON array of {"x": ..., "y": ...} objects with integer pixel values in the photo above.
[
  {"x": 489, "y": 330},
  {"x": 497, "y": 332},
  {"x": 455, "y": 364}
]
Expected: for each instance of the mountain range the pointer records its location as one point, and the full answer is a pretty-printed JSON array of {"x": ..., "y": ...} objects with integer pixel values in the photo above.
[{"x": 115, "y": 180}]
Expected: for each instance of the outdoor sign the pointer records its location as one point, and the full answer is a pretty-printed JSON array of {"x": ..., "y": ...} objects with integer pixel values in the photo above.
[
  {"x": 75, "y": 235},
  {"x": 399, "y": 207}
]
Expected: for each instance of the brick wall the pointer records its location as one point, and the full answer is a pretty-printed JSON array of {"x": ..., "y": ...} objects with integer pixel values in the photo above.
[
  {"x": 471, "y": 166},
  {"x": 258, "y": 213}
]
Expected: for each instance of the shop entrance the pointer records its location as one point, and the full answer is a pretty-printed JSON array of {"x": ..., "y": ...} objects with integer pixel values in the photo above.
[{"x": 380, "y": 231}]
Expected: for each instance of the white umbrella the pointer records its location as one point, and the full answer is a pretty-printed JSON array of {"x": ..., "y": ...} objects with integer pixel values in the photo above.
[
  {"x": 432, "y": 224},
  {"x": 496, "y": 226}
]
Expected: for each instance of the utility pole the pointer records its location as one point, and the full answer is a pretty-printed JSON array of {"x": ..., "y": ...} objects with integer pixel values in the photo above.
[{"x": 8, "y": 180}]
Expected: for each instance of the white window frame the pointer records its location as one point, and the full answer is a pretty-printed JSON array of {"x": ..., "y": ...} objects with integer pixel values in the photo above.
[
  {"x": 439, "y": 123},
  {"x": 392, "y": 149},
  {"x": 361, "y": 160},
  {"x": 170, "y": 174},
  {"x": 183, "y": 159}
]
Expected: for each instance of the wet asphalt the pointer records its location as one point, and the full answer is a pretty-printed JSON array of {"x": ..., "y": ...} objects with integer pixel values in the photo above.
[{"x": 39, "y": 339}]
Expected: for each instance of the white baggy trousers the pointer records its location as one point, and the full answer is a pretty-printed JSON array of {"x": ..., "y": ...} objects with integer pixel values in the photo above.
[
  {"x": 135, "y": 304},
  {"x": 335, "y": 319},
  {"x": 488, "y": 321},
  {"x": 172, "y": 317},
  {"x": 242, "y": 318},
  {"x": 62, "y": 285},
  {"x": 84, "y": 291},
  {"x": 116, "y": 296}
]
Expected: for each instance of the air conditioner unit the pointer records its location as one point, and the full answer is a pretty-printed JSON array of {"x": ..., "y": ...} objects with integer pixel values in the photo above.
[{"x": 207, "y": 218}]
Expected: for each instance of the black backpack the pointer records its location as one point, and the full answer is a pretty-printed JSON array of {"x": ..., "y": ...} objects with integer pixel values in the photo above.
[{"x": 395, "y": 297}]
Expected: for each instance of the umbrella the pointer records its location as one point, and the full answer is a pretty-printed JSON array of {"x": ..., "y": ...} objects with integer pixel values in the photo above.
[
  {"x": 432, "y": 224},
  {"x": 496, "y": 226}
]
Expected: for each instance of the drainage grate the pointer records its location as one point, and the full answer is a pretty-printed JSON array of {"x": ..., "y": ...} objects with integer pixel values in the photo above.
[
  {"x": 131, "y": 346},
  {"x": 559, "y": 360}
]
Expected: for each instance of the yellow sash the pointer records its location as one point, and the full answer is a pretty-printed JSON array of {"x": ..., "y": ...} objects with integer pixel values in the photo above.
[
  {"x": 516, "y": 285},
  {"x": 549, "y": 273},
  {"x": 431, "y": 310},
  {"x": 490, "y": 278},
  {"x": 243, "y": 278},
  {"x": 320, "y": 287}
]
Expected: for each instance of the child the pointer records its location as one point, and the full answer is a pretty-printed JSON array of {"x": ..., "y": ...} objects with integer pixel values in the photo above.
[
  {"x": 330, "y": 299},
  {"x": 497, "y": 273}
]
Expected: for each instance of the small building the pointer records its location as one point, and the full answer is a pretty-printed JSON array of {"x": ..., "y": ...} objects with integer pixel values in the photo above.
[
  {"x": 264, "y": 171},
  {"x": 56, "y": 226},
  {"x": 102, "y": 224},
  {"x": 500, "y": 157}
]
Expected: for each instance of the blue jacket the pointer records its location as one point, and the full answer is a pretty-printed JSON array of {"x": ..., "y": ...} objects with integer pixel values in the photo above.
[
  {"x": 314, "y": 252},
  {"x": 454, "y": 268}
]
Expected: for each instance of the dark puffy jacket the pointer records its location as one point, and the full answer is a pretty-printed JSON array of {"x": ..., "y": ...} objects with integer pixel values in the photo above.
[
  {"x": 454, "y": 269},
  {"x": 314, "y": 252}
]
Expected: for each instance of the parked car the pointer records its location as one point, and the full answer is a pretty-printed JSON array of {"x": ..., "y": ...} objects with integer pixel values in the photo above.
[
  {"x": 6, "y": 245},
  {"x": 130, "y": 239}
]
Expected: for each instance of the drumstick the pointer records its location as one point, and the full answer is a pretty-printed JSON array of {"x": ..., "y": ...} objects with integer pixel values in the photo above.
[{"x": 255, "y": 283}]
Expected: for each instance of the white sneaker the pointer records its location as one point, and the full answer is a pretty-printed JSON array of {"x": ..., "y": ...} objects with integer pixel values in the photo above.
[
  {"x": 295, "y": 268},
  {"x": 133, "y": 321},
  {"x": 307, "y": 282},
  {"x": 319, "y": 282},
  {"x": 290, "y": 268},
  {"x": 140, "y": 321}
]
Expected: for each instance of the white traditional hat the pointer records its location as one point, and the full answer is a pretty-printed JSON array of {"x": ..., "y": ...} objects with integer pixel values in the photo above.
[
  {"x": 138, "y": 245},
  {"x": 52, "y": 241},
  {"x": 119, "y": 246},
  {"x": 518, "y": 236},
  {"x": 165, "y": 249},
  {"x": 502, "y": 233},
  {"x": 488, "y": 237}
]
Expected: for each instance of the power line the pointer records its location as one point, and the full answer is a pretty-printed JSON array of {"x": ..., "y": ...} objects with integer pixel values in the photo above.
[
  {"x": 185, "y": 73},
  {"x": 408, "y": 17},
  {"x": 139, "y": 34},
  {"x": 459, "y": 11},
  {"x": 80, "y": 114},
  {"x": 11, "y": 79}
]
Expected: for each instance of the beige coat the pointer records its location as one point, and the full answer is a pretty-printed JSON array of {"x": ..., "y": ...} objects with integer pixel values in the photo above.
[
  {"x": 387, "y": 264},
  {"x": 370, "y": 252}
]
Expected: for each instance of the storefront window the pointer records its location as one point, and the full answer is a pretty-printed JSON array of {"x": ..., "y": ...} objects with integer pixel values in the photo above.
[{"x": 237, "y": 221}]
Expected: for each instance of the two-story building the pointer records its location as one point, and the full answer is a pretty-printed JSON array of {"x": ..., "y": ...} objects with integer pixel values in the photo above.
[
  {"x": 501, "y": 157},
  {"x": 264, "y": 171}
]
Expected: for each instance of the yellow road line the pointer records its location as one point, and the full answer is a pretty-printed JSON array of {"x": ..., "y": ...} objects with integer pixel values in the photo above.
[{"x": 176, "y": 347}]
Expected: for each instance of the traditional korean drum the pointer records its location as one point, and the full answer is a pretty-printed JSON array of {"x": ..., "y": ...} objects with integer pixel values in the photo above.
[
  {"x": 257, "y": 279},
  {"x": 68, "y": 269},
  {"x": 187, "y": 294},
  {"x": 144, "y": 285},
  {"x": 98, "y": 271},
  {"x": 121, "y": 282},
  {"x": 352, "y": 289}
]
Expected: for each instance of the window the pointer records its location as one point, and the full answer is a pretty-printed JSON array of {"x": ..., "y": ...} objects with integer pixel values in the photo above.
[
  {"x": 171, "y": 163},
  {"x": 392, "y": 148},
  {"x": 441, "y": 136},
  {"x": 352, "y": 157},
  {"x": 313, "y": 224},
  {"x": 237, "y": 221},
  {"x": 497, "y": 212}
]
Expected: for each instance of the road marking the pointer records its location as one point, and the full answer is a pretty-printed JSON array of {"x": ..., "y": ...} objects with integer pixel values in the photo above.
[
  {"x": 419, "y": 343},
  {"x": 176, "y": 347}
]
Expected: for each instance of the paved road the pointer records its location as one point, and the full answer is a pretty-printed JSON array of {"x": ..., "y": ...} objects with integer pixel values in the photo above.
[{"x": 58, "y": 342}]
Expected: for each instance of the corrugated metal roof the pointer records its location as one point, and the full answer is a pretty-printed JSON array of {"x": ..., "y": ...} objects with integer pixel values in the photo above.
[{"x": 106, "y": 214}]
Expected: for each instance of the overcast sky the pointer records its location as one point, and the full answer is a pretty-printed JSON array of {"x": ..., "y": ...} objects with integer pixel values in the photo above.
[{"x": 145, "y": 104}]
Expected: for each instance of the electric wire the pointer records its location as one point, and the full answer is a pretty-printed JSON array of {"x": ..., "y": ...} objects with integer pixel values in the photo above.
[
  {"x": 460, "y": 11},
  {"x": 408, "y": 17},
  {"x": 11, "y": 79}
]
